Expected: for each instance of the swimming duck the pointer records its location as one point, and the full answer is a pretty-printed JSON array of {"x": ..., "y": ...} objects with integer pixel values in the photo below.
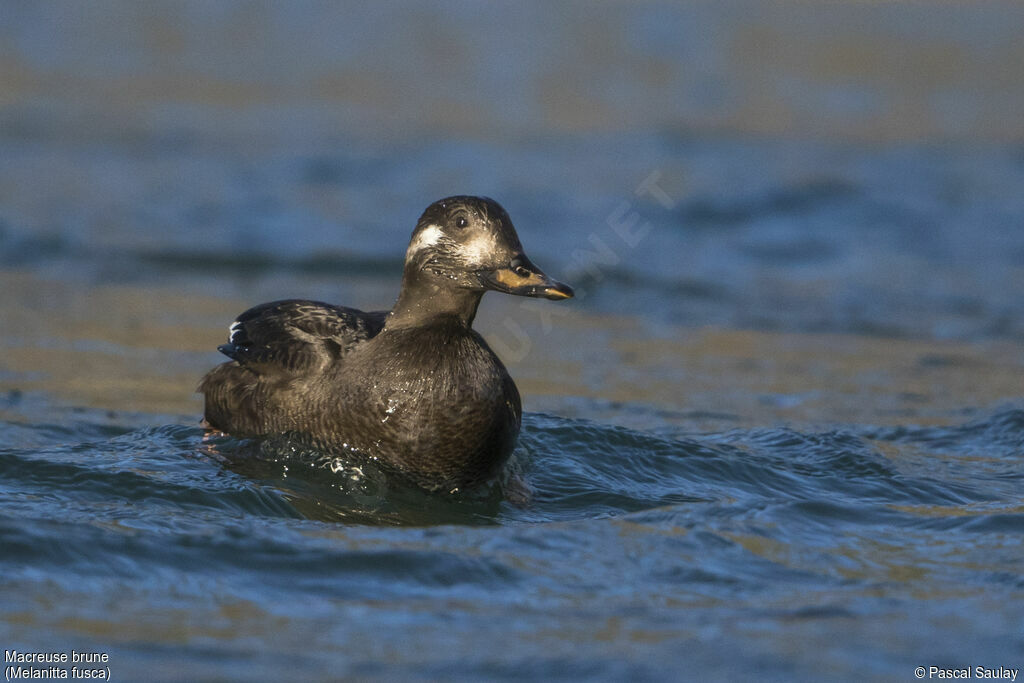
[{"x": 414, "y": 388}]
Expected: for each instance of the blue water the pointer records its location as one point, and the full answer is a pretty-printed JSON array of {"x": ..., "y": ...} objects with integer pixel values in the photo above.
[
  {"x": 778, "y": 434},
  {"x": 614, "y": 554}
]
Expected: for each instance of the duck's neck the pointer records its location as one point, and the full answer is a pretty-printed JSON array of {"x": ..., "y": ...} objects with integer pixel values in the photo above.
[{"x": 425, "y": 297}]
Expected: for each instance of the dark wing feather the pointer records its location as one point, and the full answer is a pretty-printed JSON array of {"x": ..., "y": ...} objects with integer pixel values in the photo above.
[
  {"x": 272, "y": 345},
  {"x": 296, "y": 336}
]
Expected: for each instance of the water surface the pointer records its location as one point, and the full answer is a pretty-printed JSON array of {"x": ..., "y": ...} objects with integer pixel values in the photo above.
[{"x": 778, "y": 435}]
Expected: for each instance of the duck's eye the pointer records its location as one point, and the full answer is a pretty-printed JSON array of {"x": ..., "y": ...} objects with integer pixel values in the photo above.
[{"x": 461, "y": 222}]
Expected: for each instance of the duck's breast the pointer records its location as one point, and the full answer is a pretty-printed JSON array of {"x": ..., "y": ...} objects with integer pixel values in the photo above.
[{"x": 433, "y": 402}]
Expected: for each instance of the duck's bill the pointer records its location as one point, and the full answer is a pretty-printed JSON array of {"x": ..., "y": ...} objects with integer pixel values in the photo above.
[{"x": 522, "y": 278}]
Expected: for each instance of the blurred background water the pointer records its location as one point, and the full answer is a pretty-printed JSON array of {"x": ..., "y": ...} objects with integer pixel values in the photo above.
[{"x": 777, "y": 435}]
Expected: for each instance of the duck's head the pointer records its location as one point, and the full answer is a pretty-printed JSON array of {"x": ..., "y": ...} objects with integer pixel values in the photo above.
[{"x": 470, "y": 243}]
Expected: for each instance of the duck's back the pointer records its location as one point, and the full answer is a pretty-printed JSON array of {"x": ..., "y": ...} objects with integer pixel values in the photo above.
[{"x": 279, "y": 349}]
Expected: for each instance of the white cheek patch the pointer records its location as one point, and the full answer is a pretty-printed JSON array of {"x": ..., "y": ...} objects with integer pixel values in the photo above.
[
  {"x": 428, "y": 237},
  {"x": 478, "y": 251},
  {"x": 233, "y": 330}
]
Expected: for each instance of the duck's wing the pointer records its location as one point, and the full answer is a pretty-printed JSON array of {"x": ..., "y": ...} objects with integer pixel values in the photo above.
[{"x": 298, "y": 336}]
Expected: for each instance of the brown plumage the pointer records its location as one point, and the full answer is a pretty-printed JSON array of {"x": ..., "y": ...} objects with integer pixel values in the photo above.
[{"x": 416, "y": 388}]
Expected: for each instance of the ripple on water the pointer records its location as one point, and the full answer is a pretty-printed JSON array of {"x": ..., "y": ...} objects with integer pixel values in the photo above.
[
  {"x": 592, "y": 525},
  {"x": 563, "y": 469}
]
